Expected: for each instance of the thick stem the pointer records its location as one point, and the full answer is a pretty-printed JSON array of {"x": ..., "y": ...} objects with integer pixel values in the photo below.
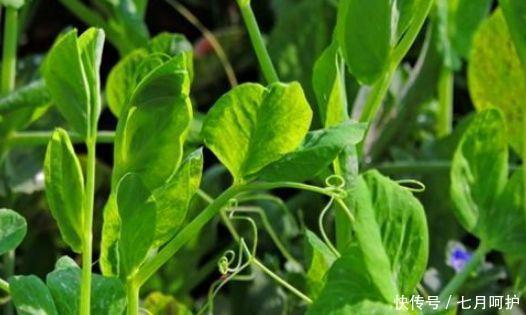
[
  {"x": 269, "y": 72},
  {"x": 132, "y": 295},
  {"x": 445, "y": 98},
  {"x": 458, "y": 280},
  {"x": 89, "y": 196}
]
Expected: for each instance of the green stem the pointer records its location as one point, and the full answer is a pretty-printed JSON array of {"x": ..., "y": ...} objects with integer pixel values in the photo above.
[
  {"x": 34, "y": 138},
  {"x": 132, "y": 295},
  {"x": 458, "y": 280},
  {"x": 269, "y": 72},
  {"x": 89, "y": 196},
  {"x": 445, "y": 99},
  {"x": 9, "y": 50},
  {"x": 4, "y": 286}
]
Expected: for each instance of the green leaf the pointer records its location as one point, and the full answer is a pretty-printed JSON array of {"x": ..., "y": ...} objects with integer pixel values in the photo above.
[
  {"x": 505, "y": 223},
  {"x": 67, "y": 83},
  {"x": 495, "y": 76},
  {"x": 17, "y": 4},
  {"x": 329, "y": 88},
  {"x": 252, "y": 126},
  {"x": 65, "y": 188},
  {"x": 401, "y": 221},
  {"x": 466, "y": 17},
  {"x": 91, "y": 43},
  {"x": 159, "y": 304},
  {"x": 31, "y": 296},
  {"x": 138, "y": 218},
  {"x": 173, "y": 45},
  {"x": 107, "y": 294},
  {"x": 364, "y": 34},
  {"x": 320, "y": 259},
  {"x": 109, "y": 256},
  {"x": 19, "y": 108},
  {"x": 13, "y": 229},
  {"x": 150, "y": 135},
  {"x": 173, "y": 198},
  {"x": 405, "y": 15},
  {"x": 319, "y": 149},
  {"x": 515, "y": 13},
  {"x": 355, "y": 277},
  {"x": 479, "y": 169}
]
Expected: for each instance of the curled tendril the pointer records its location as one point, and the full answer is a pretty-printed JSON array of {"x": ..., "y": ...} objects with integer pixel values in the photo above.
[
  {"x": 322, "y": 228},
  {"x": 232, "y": 203},
  {"x": 336, "y": 184},
  {"x": 417, "y": 186}
]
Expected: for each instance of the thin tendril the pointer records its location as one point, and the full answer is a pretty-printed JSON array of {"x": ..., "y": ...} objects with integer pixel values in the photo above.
[
  {"x": 322, "y": 228},
  {"x": 418, "y": 185}
]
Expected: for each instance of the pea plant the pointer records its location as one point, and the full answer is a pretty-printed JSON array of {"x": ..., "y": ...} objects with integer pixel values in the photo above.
[{"x": 360, "y": 159}]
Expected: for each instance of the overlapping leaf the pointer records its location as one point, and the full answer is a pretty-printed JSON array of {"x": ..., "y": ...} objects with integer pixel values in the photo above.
[{"x": 13, "y": 229}]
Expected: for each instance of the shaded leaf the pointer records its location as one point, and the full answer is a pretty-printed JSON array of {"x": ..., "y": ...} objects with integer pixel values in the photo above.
[
  {"x": 13, "y": 229},
  {"x": 320, "y": 259},
  {"x": 31, "y": 296}
]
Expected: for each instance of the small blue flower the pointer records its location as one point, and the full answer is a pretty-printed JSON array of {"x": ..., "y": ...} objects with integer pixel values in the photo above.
[{"x": 457, "y": 256}]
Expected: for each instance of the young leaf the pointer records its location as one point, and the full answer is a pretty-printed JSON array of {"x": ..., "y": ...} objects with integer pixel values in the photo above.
[
  {"x": 13, "y": 229},
  {"x": 31, "y": 296},
  {"x": 364, "y": 35},
  {"x": 91, "y": 43},
  {"x": 67, "y": 83},
  {"x": 150, "y": 135},
  {"x": 479, "y": 169},
  {"x": 138, "y": 220},
  {"x": 173, "y": 198},
  {"x": 317, "y": 152},
  {"x": 320, "y": 260},
  {"x": 495, "y": 76},
  {"x": 172, "y": 45},
  {"x": 65, "y": 188},
  {"x": 515, "y": 13},
  {"x": 109, "y": 256},
  {"x": 329, "y": 88},
  {"x": 108, "y": 296},
  {"x": 252, "y": 126}
]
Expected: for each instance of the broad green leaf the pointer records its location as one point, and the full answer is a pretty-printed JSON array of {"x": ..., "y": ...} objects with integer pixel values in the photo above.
[
  {"x": 364, "y": 35},
  {"x": 403, "y": 228},
  {"x": 505, "y": 223},
  {"x": 319, "y": 149},
  {"x": 329, "y": 88},
  {"x": 31, "y": 296},
  {"x": 67, "y": 83},
  {"x": 479, "y": 169},
  {"x": 320, "y": 259},
  {"x": 91, "y": 43},
  {"x": 495, "y": 76},
  {"x": 107, "y": 295},
  {"x": 173, "y": 198},
  {"x": 138, "y": 220},
  {"x": 150, "y": 135},
  {"x": 252, "y": 126},
  {"x": 405, "y": 10},
  {"x": 515, "y": 13},
  {"x": 13, "y": 229},
  {"x": 355, "y": 277},
  {"x": 65, "y": 188},
  {"x": 17, "y": 4}
]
